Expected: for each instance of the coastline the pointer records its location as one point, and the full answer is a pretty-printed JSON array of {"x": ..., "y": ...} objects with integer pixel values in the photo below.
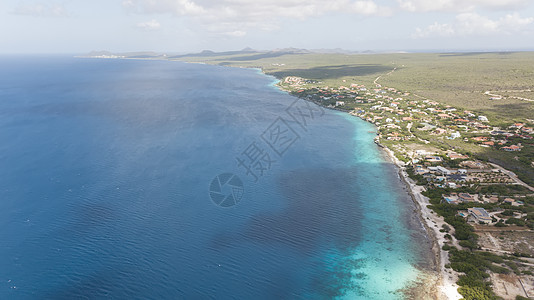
[
  {"x": 444, "y": 285},
  {"x": 435, "y": 281},
  {"x": 441, "y": 284}
]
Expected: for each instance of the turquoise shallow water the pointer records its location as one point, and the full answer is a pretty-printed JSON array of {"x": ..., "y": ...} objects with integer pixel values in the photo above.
[{"x": 105, "y": 185}]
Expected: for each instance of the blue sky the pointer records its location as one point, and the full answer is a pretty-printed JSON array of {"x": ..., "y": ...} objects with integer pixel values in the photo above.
[{"x": 178, "y": 26}]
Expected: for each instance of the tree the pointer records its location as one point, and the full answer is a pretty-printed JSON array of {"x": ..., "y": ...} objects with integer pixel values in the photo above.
[{"x": 475, "y": 293}]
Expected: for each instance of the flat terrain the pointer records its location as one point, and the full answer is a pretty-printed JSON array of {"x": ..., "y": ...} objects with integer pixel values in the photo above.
[{"x": 457, "y": 79}]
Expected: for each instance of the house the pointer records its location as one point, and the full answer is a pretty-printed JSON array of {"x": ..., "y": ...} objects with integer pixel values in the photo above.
[
  {"x": 454, "y": 135},
  {"x": 340, "y": 103},
  {"x": 450, "y": 199},
  {"x": 466, "y": 197},
  {"x": 420, "y": 170},
  {"x": 452, "y": 185},
  {"x": 517, "y": 125},
  {"x": 454, "y": 155},
  {"x": 433, "y": 158},
  {"x": 511, "y": 148},
  {"x": 492, "y": 199},
  {"x": 512, "y": 202},
  {"x": 473, "y": 164},
  {"x": 421, "y": 152},
  {"x": 483, "y": 119},
  {"x": 479, "y": 214},
  {"x": 509, "y": 201},
  {"x": 443, "y": 170},
  {"x": 456, "y": 177},
  {"x": 480, "y": 138},
  {"x": 440, "y": 131}
]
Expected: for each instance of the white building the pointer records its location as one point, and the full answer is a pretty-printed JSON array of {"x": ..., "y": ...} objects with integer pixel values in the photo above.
[
  {"x": 443, "y": 170},
  {"x": 480, "y": 214},
  {"x": 455, "y": 135}
]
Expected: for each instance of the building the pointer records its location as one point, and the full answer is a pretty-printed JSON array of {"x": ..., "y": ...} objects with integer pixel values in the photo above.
[
  {"x": 443, "y": 170},
  {"x": 452, "y": 185},
  {"x": 454, "y": 155},
  {"x": 457, "y": 177},
  {"x": 450, "y": 199},
  {"x": 432, "y": 158},
  {"x": 512, "y": 148},
  {"x": 473, "y": 164},
  {"x": 479, "y": 214},
  {"x": 466, "y": 197},
  {"x": 455, "y": 135}
]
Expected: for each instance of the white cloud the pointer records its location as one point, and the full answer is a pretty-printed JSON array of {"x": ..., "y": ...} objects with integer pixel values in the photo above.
[
  {"x": 370, "y": 8},
  {"x": 149, "y": 25},
  {"x": 237, "y": 33},
  {"x": 460, "y": 5},
  {"x": 41, "y": 10},
  {"x": 236, "y": 17},
  {"x": 471, "y": 24}
]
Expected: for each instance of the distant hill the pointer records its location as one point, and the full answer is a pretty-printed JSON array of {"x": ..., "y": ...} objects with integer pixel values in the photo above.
[{"x": 209, "y": 53}]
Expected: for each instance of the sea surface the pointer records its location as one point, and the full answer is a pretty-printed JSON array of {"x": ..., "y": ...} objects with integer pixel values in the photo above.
[{"x": 136, "y": 179}]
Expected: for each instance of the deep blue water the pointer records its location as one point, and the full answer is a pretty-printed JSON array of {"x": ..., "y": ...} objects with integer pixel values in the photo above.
[{"x": 105, "y": 172}]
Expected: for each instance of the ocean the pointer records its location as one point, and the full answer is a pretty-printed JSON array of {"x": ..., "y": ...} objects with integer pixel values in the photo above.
[{"x": 138, "y": 179}]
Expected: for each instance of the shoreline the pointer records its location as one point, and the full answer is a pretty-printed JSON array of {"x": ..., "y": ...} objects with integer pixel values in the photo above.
[
  {"x": 444, "y": 285},
  {"x": 443, "y": 282}
]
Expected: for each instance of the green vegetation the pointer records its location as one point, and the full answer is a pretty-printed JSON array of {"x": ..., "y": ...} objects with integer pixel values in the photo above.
[
  {"x": 422, "y": 100},
  {"x": 474, "y": 284},
  {"x": 457, "y": 79}
]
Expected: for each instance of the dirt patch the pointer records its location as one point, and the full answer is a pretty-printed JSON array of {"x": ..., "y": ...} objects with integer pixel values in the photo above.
[
  {"x": 528, "y": 284},
  {"x": 507, "y": 241},
  {"x": 507, "y": 286}
]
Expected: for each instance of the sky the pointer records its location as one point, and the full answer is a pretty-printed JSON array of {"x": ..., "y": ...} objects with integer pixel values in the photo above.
[{"x": 182, "y": 26}]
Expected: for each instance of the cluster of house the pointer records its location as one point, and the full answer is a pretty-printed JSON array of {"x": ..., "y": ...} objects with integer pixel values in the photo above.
[
  {"x": 500, "y": 138},
  {"x": 388, "y": 111},
  {"x": 395, "y": 116},
  {"x": 456, "y": 198},
  {"x": 478, "y": 214},
  {"x": 471, "y": 171}
]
